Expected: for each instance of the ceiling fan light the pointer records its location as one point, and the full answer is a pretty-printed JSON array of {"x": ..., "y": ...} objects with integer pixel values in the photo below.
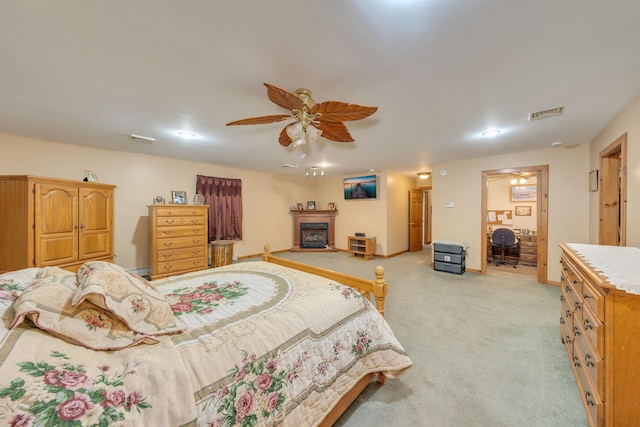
[
  {"x": 514, "y": 181},
  {"x": 313, "y": 133},
  {"x": 522, "y": 180},
  {"x": 294, "y": 131}
]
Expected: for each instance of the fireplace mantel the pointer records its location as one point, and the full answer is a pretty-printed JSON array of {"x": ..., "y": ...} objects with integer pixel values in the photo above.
[{"x": 300, "y": 216}]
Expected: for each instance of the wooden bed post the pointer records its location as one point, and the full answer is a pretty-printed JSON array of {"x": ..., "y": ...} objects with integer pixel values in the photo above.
[{"x": 380, "y": 289}]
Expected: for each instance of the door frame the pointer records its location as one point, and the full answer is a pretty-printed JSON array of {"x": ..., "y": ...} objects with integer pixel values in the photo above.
[
  {"x": 542, "y": 209},
  {"x": 613, "y": 181}
]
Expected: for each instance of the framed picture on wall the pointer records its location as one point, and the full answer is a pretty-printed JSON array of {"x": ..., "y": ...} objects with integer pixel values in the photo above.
[
  {"x": 523, "y": 193},
  {"x": 523, "y": 210}
]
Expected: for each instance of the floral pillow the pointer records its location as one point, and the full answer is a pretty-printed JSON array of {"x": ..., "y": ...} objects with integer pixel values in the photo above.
[
  {"x": 47, "y": 303},
  {"x": 127, "y": 296}
]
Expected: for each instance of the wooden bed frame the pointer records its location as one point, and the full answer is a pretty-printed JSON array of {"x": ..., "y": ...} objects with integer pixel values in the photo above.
[{"x": 377, "y": 287}]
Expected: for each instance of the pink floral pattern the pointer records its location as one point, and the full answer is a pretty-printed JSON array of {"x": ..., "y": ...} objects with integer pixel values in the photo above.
[
  {"x": 67, "y": 395},
  {"x": 204, "y": 298},
  {"x": 257, "y": 394}
]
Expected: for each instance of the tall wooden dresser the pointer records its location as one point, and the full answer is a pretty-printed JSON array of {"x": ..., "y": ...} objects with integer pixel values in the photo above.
[
  {"x": 47, "y": 222},
  {"x": 179, "y": 239},
  {"x": 600, "y": 328}
]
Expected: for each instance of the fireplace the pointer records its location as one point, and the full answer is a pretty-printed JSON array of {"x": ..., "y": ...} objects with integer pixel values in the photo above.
[
  {"x": 314, "y": 235},
  {"x": 314, "y": 230}
]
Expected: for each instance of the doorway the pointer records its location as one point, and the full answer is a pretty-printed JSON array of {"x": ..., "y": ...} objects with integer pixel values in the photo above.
[
  {"x": 613, "y": 194},
  {"x": 541, "y": 207},
  {"x": 419, "y": 218}
]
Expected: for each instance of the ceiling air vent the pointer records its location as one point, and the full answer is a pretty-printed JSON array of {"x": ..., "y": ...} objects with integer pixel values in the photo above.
[
  {"x": 545, "y": 114},
  {"x": 143, "y": 139}
]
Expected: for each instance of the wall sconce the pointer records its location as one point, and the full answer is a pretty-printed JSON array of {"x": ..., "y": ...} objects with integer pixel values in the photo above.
[{"x": 424, "y": 175}]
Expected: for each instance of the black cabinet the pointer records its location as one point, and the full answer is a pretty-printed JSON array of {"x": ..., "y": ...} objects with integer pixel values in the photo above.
[{"x": 449, "y": 258}]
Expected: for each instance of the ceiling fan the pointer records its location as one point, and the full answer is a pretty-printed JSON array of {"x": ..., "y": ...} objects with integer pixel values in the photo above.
[{"x": 311, "y": 120}]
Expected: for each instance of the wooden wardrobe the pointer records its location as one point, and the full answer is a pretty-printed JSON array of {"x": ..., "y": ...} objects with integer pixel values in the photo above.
[{"x": 47, "y": 222}]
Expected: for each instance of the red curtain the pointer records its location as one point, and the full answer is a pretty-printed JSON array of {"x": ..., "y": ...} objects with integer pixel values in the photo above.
[{"x": 224, "y": 197}]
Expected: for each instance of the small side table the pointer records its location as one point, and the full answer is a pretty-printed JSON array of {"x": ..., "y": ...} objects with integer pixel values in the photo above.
[{"x": 221, "y": 252}]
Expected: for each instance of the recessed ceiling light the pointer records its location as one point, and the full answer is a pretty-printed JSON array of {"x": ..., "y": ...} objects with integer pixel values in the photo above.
[
  {"x": 186, "y": 134},
  {"x": 491, "y": 132}
]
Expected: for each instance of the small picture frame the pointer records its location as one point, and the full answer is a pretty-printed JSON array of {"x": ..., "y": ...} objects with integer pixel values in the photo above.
[
  {"x": 179, "y": 197},
  {"x": 158, "y": 200},
  {"x": 90, "y": 176},
  {"x": 593, "y": 180},
  {"x": 311, "y": 205},
  {"x": 331, "y": 206},
  {"x": 523, "y": 210},
  {"x": 300, "y": 207}
]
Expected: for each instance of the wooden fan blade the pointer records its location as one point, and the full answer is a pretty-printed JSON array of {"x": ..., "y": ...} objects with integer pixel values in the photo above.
[
  {"x": 261, "y": 120},
  {"x": 284, "y": 99},
  {"x": 284, "y": 139},
  {"x": 335, "y": 111},
  {"x": 334, "y": 131}
]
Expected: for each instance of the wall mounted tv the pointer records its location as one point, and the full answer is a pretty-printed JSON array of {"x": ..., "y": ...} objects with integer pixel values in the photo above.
[{"x": 361, "y": 187}]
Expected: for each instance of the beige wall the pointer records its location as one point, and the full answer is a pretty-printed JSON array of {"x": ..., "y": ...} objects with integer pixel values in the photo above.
[
  {"x": 362, "y": 215},
  {"x": 140, "y": 177},
  {"x": 568, "y": 199},
  {"x": 499, "y": 198},
  {"x": 628, "y": 121},
  {"x": 398, "y": 187},
  {"x": 267, "y": 197}
]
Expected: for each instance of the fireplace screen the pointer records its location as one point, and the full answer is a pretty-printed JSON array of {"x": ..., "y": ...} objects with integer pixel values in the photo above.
[{"x": 314, "y": 235}]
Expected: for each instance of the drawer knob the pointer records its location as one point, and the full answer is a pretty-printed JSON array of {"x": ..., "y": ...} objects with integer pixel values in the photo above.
[
  {"x": 588, "y": 399},
  {"x": 587, "y": 325},
  {"x": 576, "y": 305},
  {"x": 561, "y": 297},
  {"x": 568, "y": 288},
  {"x": 588, "y": 359},
  {"x": 568, "y": 313},
  {"x": 567, "y": 339},
  {"x": 585, "y": 296},
  {"x": 167, "y": 244},
  {"x": 561, "y": 320},
  {"x": 576, "y": 331},
  {"x": 576, "y": 361}
]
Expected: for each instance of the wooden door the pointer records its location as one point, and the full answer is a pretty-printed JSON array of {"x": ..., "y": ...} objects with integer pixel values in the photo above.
[
  {"x": 56, "y": 224},
  {"x": 95, "y": 215},
  {"x": 415, "y": 220},
  {"x": 613, "y": 194}
]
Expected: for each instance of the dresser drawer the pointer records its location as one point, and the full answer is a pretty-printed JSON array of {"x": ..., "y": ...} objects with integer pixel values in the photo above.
[
  {"x": 181, "y": 242},
  {"x": 528, "y": 250},
  {"x": 179, "y": 211},
  {"x": 590, "y": 398},
  {"x": 185, "y": 253},
  {"x": 591, "y": 362},
  {"x": 528, "y": 258},
  {"x": 593, "y": 329},
  {"x": 594, "y": 299},
  {"x": 180, "y": 231},
  {"x": 181, "y": 265}
]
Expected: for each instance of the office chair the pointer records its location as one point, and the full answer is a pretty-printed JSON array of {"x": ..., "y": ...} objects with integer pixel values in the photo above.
[{"x": 505, "y": 240}]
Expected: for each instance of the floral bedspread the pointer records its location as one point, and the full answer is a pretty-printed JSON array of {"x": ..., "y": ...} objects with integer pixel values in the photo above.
[
  {"x": 268, "y": 345},
  {"x": 264, "y": 345},
  {"x": 46, "y": 381}
]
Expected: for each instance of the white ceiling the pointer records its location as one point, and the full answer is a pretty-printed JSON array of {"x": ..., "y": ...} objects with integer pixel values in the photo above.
[{"x": 440, "y": 71}]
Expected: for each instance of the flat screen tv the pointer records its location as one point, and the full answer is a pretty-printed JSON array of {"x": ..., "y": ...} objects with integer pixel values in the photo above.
[{"x": 360, "y": 187}]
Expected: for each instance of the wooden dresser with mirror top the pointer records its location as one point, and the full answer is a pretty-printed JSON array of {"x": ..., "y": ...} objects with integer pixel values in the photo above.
[{"x": 600, "y": 328}]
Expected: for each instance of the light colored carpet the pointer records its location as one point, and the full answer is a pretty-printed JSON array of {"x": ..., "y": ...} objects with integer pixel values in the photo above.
[{"x": 486, "y": 348}]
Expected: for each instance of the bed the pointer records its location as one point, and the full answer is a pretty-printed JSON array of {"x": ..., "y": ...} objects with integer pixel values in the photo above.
[{"x": 271, "y": 342}]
